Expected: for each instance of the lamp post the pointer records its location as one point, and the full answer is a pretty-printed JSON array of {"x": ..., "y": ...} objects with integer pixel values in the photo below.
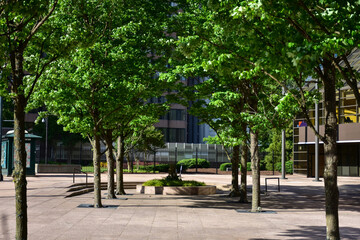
[
  {"x": 45, "y": 120},
  {"x": 317, "y": 139},
  {"x": 283, "y": 150}
]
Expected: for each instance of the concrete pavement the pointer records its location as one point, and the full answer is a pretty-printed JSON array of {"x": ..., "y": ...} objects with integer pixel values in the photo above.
[{"x": 297, "y": 212}]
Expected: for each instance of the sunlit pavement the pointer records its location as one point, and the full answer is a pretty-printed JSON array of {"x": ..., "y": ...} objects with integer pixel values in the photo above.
[{"x": 297, "y": 212}]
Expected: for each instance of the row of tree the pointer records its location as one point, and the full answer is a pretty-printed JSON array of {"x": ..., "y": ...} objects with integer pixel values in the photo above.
[
  {"x": 95, "y": 64},
  {"x": 259, "y": 58}
]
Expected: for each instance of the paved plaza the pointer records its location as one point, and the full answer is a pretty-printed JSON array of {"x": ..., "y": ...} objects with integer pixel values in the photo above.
[{"x": 297, "y": 212}]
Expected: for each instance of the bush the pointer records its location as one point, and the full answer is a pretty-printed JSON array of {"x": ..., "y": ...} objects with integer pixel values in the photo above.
[
  {"x": 191, "y": 163},
  {"x": 223, "y": 166},
  {"x": 162, "y": 167},
  {"x": 288, "y": 167},
  {"x": 248, "y": 166},
  {"x": 90, "y": 169},
  {"x": 164, "y": 182},
  {"x": 158, "y": 168}
]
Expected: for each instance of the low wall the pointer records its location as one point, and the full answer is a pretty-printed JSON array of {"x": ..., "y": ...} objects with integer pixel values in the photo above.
[
  {"x": 200, "y": 190},
  {"x": 53, "y": 168}
]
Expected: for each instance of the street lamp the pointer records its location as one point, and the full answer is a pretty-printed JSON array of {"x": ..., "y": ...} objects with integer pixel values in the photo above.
[{"x": 45, "y": 120}]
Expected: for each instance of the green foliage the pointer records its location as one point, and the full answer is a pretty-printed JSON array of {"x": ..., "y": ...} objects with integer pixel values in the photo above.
[
  {"x": 191, "y": 163},
  {"x": 223, "y": 166},
  {"x": 90, "y": 169},
  {"x": 288, "y": 167},
  {"x": 248, "y": 166},
  {"x": 164, "y": 182},
  {"x": 162, "y": 167},
  {"x": 158, "y": 168},
  {"x": 274, "y": 148}
]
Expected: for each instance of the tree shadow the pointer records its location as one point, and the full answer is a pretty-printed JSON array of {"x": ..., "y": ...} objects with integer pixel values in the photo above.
[
  {"x": 316, "y": 232},
  {"x": 4, "y": 227},
  {"x": 304, "y": 198}
]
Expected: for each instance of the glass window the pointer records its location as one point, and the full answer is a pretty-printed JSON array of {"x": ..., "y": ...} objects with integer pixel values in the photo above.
[
  {"x": 172, "y": 114},
  {"x": 174, "y": 134},
  {"x": 300, "y": 164},
  {"x": 177, "y": 114},
  {"x": 348, "y": 102}
]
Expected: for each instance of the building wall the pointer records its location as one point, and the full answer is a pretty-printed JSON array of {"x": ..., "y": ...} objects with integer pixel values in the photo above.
[{"x": 348, "y": 138}]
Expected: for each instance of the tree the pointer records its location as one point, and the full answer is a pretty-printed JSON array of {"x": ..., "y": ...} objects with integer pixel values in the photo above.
[
  {"x": 236, "y": 94},
  {"x": 111, "y": 78},
  {"x": 313, "y": 39},
  {"x": 136, "y": 118},
  {"x": 32, "y": 36},
  {"x": 273, "y": 151}
]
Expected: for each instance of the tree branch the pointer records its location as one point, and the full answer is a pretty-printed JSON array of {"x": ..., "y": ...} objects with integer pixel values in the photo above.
[{"x": 40, "y": 23}]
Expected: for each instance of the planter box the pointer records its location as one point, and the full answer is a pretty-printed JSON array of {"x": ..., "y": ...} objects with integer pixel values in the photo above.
[
  {"x": 200, "y": 190},
  {"x": 153, "y": 190},
  {"x": 140, "y": 188},
  {"x": 54, "y": 168}
]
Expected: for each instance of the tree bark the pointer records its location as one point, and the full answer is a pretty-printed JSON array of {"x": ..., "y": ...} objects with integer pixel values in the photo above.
[
  {"x": 243, "y": 163},
  {"x": 235, "y": 191},
  {"x": 19, "y": 173},
  {"x": 97, "y": 173},
  {"x": 330, "y": 152},
  {"x": 110, "y": 166},
  {"x": 120, "y": 167},
  {"x": 255, "y": 167}
]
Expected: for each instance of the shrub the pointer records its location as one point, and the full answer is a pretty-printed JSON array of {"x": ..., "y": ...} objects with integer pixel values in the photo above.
[
  {"x": 90, "y": 169},
  {"x": 158, "y": 168},
  {"x": 191, "y": 163},
  {"x": 162, "y": 167},
  {"x": 288, "y": 167},
  {"x": 164, "y": 182},
  {"x": 248, "y": 166},
  {"x": 223, "y": 166}
]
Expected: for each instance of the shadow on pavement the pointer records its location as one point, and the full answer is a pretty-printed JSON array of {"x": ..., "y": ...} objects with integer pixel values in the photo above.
[
  {"x": 304, "y": 198},
  {"x": 317, "y": 232},
  {"x": 4, "y": 226}
]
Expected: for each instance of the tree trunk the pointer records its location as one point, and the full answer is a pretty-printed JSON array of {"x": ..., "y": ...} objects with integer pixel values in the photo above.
[
  {"x": 97, "y": 173},
  {"x": 330, "y": 152},
  {"x": 120, "y": 167},
  {"x": 19, "y": 173},
  {"x": 127, "y": 156},
  {"x": 110, "y": 166},
  {"x": 235, "y": 191},
  {"x": 137, "y": 162},
  {"x": 243, "y": 163},
  {"x": 255, "y": 168}
]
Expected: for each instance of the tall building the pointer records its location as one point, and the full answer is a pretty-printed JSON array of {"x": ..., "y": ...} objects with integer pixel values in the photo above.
[{"x": 180, "y": 126}]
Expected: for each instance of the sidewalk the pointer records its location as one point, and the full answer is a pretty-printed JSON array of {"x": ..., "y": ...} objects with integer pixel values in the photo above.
[{"x": 298, "y": 211}]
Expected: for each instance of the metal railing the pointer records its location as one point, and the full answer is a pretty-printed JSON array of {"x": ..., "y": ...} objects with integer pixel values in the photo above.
[{"x": 76, "y": 170}]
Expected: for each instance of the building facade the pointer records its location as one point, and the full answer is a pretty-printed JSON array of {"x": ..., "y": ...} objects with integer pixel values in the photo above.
[{"x": 348, "y": 139}]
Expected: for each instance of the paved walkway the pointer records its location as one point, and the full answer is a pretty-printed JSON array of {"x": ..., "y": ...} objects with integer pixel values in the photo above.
[{"x": 298, "y": 212}]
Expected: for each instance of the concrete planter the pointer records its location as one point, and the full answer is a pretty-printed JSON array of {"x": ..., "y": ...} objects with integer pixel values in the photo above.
[
  {"x": 199, "y": 190},
  {"x": 54, "y": 168}
]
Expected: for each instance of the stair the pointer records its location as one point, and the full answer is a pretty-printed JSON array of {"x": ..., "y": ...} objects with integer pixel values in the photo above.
[{"x": 82, "y": 188}]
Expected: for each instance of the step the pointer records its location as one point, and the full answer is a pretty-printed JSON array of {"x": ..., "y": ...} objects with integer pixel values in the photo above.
[{"x": 82, "y": 188}]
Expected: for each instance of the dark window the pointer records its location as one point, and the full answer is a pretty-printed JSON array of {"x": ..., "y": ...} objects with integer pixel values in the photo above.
[{"x": 173, "y": 134}]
